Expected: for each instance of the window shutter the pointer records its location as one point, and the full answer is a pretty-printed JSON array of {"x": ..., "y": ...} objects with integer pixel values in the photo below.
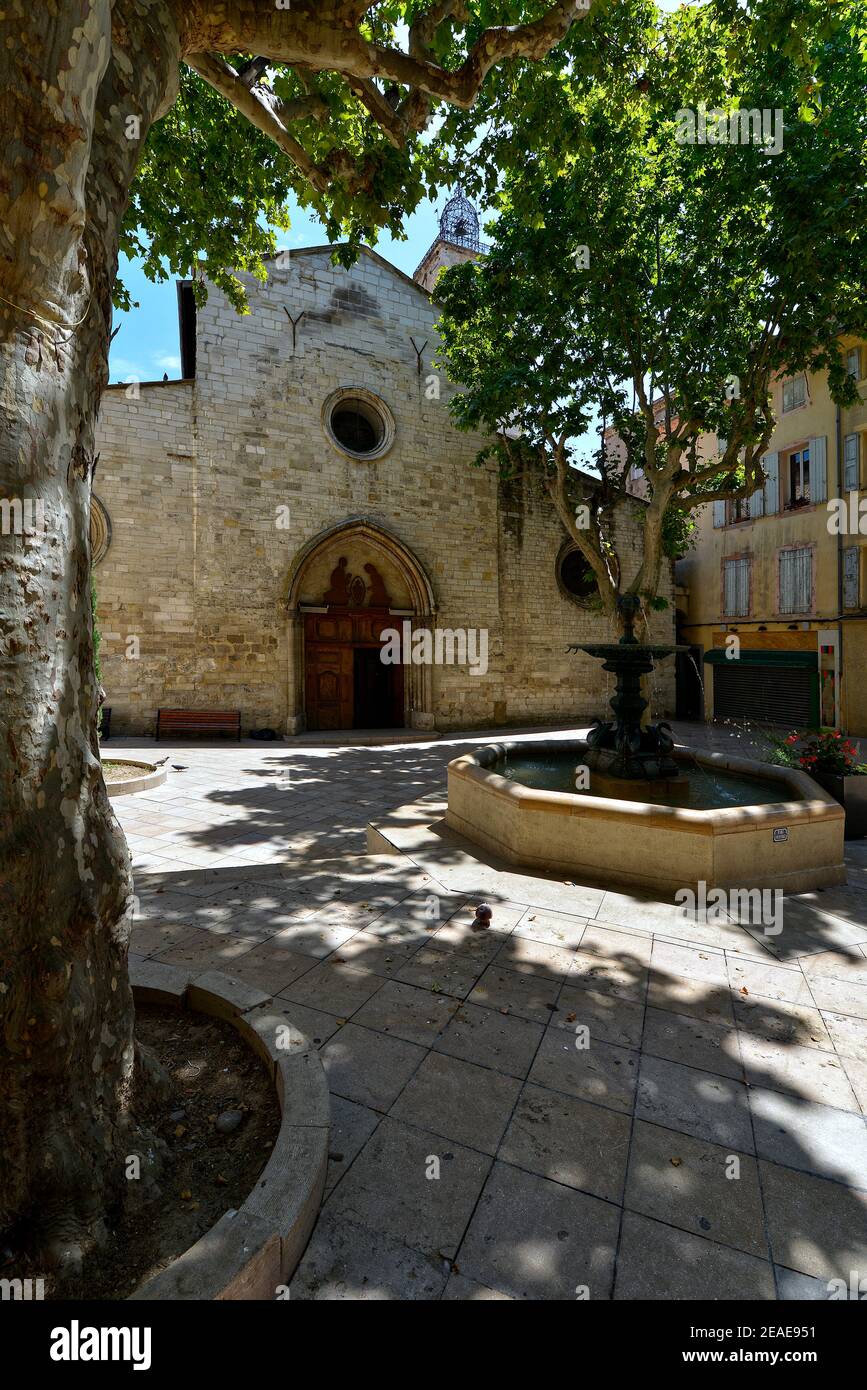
[
  {"x": 719, "y": 513},
  {"x": 772, "y": 482},
  {"x": 743, "y": 570},
  {"x": 757, "y": 502},
  {"x": 796, "y": 580},
  {"x": 730, "y": 595},
  {"x": 850, "y": 577},
  {"x": 818, "y": 470},
  {"x": 787, "y": 581},
  {"x": 851, "y": 460}
]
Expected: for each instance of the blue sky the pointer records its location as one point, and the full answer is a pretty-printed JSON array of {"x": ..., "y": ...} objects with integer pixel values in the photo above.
[{"x": 146, "y": 346}]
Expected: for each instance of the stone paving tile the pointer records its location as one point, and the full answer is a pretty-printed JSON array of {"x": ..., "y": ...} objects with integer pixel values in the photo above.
[
  {"x": 850, "y": 965},
  {"x": 528, "y": 996},
  {"x": 781, "y": 982},
  {"x": 532, "y": 1238},
  {"x": 403, "y": 1011},
  {"x": 315, "y": 938},
  {"x": 840, "y": 997},
  {"x": 366, "y": 952},
  {"x": 695, "y": 1102},
  {"x": 781, "y": 1022},
  {"x": 692, "y": 1184},
  {"x": 814, "y": 1138},
  {"x": 856, "y": 1070},
  {"x": 800, "y": 1288},
  {"x": 527, "y": 957},
  {"x": 569, "y": 1141},
  {"x": 601, "y": 1072},
  {"x": 614, "y": 944},
  {"x": 369, "y": 1068},
  {"x": 206, "y": 951},
  {"x": 551, "y": 928},
  {"x": 660, "y": 1263},
  {"x": 805, "y": 1072},
  {"x": 706, "y": 966},
  {"x": 815, "y": 1227},
  {"x": 621, "y": 975},
  {"x": 693, "y": 998},
  {"x": 637, "y": 910},
  {"x": 458, "y": 1101},
  {"x": 271, "y": 966},
  {"x": 149, "y": 938},
  {"x": 447, "y": 972},
  {"x": 317, "y": 1026},
  {"x": 478, "y": 946},
  {"x": 351, "y": 1127},
  {"x": 333, "y": 988},
  {"x": 693, "y": 1041},
  {"x": 467, "y": 1290},
  {"x": 428, "y": 1214},
  {"x": 345, "y": 1261},
  {"x": 607, "y": 1018},
  {"x": 491, "y": 1039}
]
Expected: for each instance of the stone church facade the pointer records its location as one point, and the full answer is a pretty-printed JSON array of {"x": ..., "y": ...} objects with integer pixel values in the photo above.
[{"x": 262, "y": 524}]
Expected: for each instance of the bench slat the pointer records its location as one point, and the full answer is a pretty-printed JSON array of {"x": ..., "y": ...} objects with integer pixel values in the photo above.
[{"x": 198, "y": 721}]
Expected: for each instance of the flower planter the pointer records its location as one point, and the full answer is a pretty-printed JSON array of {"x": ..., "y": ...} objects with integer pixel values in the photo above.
[{"x": 851, "y": 792}]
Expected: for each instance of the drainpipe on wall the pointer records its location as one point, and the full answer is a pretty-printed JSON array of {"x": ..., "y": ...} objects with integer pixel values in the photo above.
[{"x": 839, "y": 443}]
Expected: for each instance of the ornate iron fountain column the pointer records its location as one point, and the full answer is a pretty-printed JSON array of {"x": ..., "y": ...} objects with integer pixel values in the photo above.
[{"x": 621, "y": 747}]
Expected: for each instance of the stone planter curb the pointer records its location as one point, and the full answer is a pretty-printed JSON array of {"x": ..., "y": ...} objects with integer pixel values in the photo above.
[
  {"x": 137, "y": 781},
  {"x": 251, "y": 1253}
]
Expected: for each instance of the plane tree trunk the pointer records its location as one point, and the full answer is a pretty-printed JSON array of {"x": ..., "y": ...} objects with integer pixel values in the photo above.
[{"x": 71, "y": 76}]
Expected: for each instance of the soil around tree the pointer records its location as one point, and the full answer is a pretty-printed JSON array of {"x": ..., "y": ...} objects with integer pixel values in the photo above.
[
  {"x": 121, "y": 772},
  {"x": 218, "y": 1128}
]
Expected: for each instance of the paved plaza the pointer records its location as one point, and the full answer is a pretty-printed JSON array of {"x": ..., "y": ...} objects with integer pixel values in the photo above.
[{"x": 594, "y": 1099}]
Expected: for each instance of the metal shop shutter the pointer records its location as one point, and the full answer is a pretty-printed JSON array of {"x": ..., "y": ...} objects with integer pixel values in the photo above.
[{"x": 766, "y": 694}]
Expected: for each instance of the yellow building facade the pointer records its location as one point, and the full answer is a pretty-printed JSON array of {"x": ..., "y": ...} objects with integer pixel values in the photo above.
[{"x": 772, "y": 594}]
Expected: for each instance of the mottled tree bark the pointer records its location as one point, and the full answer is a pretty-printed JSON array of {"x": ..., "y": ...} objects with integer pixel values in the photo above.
[{"x": 71, "y": 75}]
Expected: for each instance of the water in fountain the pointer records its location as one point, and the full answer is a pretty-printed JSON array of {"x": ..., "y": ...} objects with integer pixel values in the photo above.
[{"x": 552, "y": 768}]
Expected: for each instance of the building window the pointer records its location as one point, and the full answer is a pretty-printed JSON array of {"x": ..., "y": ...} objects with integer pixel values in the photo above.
[
  {"x": 358, "y": 422},
  {"x": 853, "y": 363},
  {"x": 796, "y": 580},
  {"x": 794, "y": 392},
  {"x": 738, "y": 510},
  {"x": 850, "y": 461},
  {"x": 736, "y": 587},
  {"x": 797, "y": 478},
  {"x": 851, "y": 585},
  {"x": 575, "y": 578}
]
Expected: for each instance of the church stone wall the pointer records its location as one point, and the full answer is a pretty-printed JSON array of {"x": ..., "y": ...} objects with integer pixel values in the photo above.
[{"x": 214, "y": 487}]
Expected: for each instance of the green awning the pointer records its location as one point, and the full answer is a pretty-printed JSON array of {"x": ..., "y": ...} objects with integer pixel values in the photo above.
[{"x": 756, "y": 656}]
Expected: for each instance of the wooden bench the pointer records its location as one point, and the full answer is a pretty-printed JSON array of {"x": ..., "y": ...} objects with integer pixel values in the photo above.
[{"x": 171, "y": 722}]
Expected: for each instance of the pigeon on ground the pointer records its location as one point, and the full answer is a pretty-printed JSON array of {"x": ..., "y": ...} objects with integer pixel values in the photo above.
[{"x": 178, "y": 767}]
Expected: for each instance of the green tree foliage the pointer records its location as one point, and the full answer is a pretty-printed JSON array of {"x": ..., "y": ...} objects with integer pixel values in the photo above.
[
  {"x": 657, "y": 283},
  {"x": 212, "y": 191}
]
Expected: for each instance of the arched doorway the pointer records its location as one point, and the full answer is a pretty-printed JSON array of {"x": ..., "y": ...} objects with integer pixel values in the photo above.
[{"x": 348, "y": 589}]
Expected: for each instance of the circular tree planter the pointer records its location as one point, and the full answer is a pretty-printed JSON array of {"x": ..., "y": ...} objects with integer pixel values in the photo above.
[
  {"x": 251, "y": 1253},
  {"x": 142, "y": 776}
]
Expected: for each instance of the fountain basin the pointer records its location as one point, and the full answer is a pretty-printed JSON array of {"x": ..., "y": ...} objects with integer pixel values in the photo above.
[{"x": 794, "y": 842}]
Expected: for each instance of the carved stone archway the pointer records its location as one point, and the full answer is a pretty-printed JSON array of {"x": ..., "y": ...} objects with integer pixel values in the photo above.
[
  {"x": 397, "y": 590},
  {"x": 100, "y": 530}
]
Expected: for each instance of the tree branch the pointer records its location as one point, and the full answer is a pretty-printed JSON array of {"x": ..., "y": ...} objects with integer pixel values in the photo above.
[
  {"x": 261, "y": 113},
  {"x": 294, "y": 36}
]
